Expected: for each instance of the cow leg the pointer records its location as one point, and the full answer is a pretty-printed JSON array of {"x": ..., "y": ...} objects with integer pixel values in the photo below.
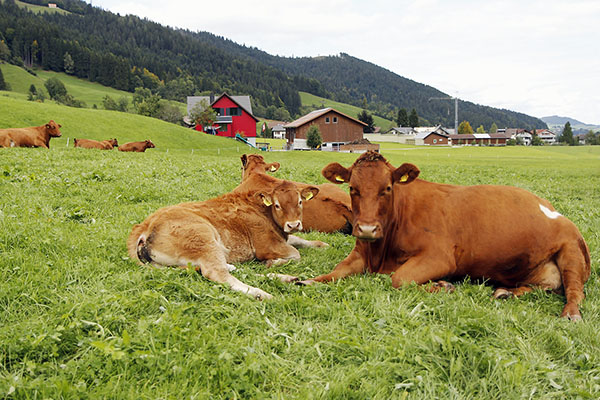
[
  {"x": 351, "y": 265},
  {"x": 220, "y": 274},
  {"x": 422, "y": 269},
  {"x": 301, "y": 243},
  {"x": 276, "y": 252},
  {"x": 504, "y": 293},
  {"x": 573, "y": 263}
]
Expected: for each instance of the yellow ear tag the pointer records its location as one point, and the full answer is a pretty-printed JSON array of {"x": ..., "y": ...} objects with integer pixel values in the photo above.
[
  {"x": 404, "y": 178},
  {"x": 339, "y": 179},
  {"x": 309, "y": 196},
  {"x": 273, "y": 169},
  {"x": 267, "y": 202}
]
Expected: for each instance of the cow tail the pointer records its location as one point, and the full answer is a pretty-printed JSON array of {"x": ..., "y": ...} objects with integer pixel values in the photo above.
[{"x": 138, "y": 244}]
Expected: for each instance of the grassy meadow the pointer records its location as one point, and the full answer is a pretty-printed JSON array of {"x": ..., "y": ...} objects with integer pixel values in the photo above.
[{"x": 79, "y": 319}]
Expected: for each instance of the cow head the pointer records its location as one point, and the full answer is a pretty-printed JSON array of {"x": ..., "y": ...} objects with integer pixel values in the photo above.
[
  {"x": 285, "y": 203},
  {"x": 52, "y": 129},
  {"x": 255, "y": 163},
  {"x": 149, "y": 144},
  {"x": 371, "y": 179},
  {"x": 113, "y": 142}
]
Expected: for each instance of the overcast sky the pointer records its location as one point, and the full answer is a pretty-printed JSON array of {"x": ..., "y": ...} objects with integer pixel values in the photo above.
[{"x": 537, "y": 57}]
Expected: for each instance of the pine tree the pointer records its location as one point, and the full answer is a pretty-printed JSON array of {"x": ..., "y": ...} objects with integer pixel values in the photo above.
[
  {"x": 567, "y": 135},
  {"x": 402, "y": 119},
  {"x": 494, "y": 128},
  {"x": 313, "y": 137},
  {"x": 413, "y": 118},
  {"x": 69, "y": 64},
  {"x": 3, "y": 84}
]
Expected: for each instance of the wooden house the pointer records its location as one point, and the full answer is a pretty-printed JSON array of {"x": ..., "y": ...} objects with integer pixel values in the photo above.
[{"x": 336, "y": 129}]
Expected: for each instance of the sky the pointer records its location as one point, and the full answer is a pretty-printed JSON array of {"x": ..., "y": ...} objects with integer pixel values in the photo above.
[{"x": 540, "y": 58}]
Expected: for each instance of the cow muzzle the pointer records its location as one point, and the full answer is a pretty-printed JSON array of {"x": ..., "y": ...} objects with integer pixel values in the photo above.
[
  {"x": 367, "y": 232},
  {"x": 292, "y": 226}
]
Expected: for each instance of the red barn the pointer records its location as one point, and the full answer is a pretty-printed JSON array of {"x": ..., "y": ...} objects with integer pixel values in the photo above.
[{"x": 234, "y": 116}]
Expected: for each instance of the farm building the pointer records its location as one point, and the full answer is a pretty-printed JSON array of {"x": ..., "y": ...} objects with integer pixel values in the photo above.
[
  {"x": 336, "y": 129},
  {"x": 278, "y": 130},
  {"x": 480, "y": 139},
  {"x": 234, "y": 116},
  {"x": 546, "y": 135}
]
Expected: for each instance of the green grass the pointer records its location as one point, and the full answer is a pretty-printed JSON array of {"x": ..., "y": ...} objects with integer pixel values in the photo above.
[
  {"x": 39, "y": 9},
  {"x": 89, "y": 92},
  {"x": 352, "y": 111},
  {"x": 78, "y": 319}
]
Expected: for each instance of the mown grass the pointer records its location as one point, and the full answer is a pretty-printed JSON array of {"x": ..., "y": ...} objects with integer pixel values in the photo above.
[
  {"x": 78, "y": 319},
  {"x": 91, "y": 93}
]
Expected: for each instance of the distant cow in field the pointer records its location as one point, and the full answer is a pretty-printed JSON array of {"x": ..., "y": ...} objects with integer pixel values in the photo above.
[
  {"x": 35, "y": 136},
  {"x": 139, "y": 147},
  {"x": 328, "y": 212},
  {"x": 420, "y": 231},
  {"x": 232, "y": 228},
  {"x": 95, "y": 144}
]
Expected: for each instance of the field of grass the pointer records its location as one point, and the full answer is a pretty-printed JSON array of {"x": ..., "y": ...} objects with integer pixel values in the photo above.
[
  {"x": 38, "y": 9},
  {"x": 89, "y": 92},
  {"x": 352, "y": 111},
  {"x": 78, "y": 319}
]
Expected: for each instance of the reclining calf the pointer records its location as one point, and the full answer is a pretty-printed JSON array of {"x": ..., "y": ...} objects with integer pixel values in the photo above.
[{"x": 234, "y": 227}]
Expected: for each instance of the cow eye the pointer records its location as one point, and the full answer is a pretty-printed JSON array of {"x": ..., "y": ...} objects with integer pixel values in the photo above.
[
  {"x": 388, "y": 189},
  {"x": 277, "y": 206}
]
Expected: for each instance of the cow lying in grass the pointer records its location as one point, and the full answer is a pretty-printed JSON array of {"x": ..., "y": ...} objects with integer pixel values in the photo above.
[
  {"x": 328, "y": 212},
  {"x": 231, "y": 228},
  {"x": 35, "y": 136},
  {"x": 420, "y": 231},
  {"x": 95, "y": 144},
  {"x": 139, "y": 147}
]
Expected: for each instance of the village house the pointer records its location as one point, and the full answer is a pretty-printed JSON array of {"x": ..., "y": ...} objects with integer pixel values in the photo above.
[
  {"x": 546, "y": 136},
  {"x": 278, "y": 130},
  {"x": 336, "y": 129},
  {"x": 234, "y": 116},
  {"x": 480, "y": 139}
]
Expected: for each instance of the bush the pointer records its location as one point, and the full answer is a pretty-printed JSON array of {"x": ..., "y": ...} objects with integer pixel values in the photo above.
[
  {"x": 313, "y": 137},
  {"x": 56, "y": 89}
]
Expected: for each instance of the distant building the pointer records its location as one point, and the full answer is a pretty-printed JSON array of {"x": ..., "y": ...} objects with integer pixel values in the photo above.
[
  {"x": 234, "y": 116},
  {"x": 428, "y": 136},
  {"x": 52, "y": 5},
  {"x": 547, "y": 136},
  {"x": 336, "y": 129},
  {"x": 278, "y": 130},
  {"x": 480, "y": 139}
]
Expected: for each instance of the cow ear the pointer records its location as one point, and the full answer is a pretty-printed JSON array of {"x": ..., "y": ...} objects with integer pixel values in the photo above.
[
  {"x": 406, "y": 173},
  {"x": 273, "y": 167},
  {"x": 309, "y": 192},
  {"x": 335, "y": 173},
  {"x": 244, "y": 159},
  {"x": 266, "y": 199}
]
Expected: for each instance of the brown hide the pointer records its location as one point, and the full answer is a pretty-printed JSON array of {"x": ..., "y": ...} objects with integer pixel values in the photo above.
[
  {"x": 232, "y": 228},
  {"x": 139, "y": 147},
  {"x": 95, "y": 144},
  {"x": 421, "y": 231},
  {"x": 328, "y": 212},
  {"x": 36, "y": 136}
]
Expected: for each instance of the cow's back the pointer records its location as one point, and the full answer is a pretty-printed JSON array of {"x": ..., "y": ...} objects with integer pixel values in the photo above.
[{"x": 488, "y": 231}]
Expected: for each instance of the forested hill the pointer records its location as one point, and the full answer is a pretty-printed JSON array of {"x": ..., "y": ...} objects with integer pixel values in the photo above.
[{"x": 126, "y": 52}]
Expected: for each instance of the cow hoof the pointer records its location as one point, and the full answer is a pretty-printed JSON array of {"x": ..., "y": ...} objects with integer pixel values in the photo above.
[
  {"x": 282, "y": 277},
  {"x": 318, "y": 243},
  {"x": 306, "y": 282},
  {"x": 501, "y": 293},
  {"x": 442, "y": 285},
  {"x": 261, "y": 295},
  {"x": 574, "y": 318},
  {"x": 571, "y": 313}
]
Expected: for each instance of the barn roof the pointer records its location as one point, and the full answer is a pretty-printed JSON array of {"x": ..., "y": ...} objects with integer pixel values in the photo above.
[
  {"x": 316, "y": 114},
  {"x": 242, "y": 101}
]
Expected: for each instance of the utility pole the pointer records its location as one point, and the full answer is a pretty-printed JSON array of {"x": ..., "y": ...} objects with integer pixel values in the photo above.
[{"x": 455, "y": 110}]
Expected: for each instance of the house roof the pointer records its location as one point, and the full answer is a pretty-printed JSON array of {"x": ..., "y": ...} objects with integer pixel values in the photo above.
[
  {"x": 242, "y": 101},
  {"x": 423, "y": 135},
  {"x": 316, "y": 114},
  {"x": 480, "y": 136}
]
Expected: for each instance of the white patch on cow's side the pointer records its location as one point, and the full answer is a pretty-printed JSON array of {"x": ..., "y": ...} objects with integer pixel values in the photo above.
[{"x": 548, "y": 213}]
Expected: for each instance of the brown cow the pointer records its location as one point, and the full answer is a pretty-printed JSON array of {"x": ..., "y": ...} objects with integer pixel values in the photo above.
[
  {"x": 95, "y": 144},
  {"x": 139, "y": 147},
  {"x": 232, "y": 228},
  {"x": 35, "y": 136},
  {"x": 330, "y": 210},
  {"x": 420, "y": 231}
]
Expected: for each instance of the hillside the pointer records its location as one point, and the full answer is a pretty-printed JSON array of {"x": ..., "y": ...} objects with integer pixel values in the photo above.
[
  {"x": 557, "y": 123},
  {"x": 101, "y": 125},
  {"x": 126, "y": 52}
]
